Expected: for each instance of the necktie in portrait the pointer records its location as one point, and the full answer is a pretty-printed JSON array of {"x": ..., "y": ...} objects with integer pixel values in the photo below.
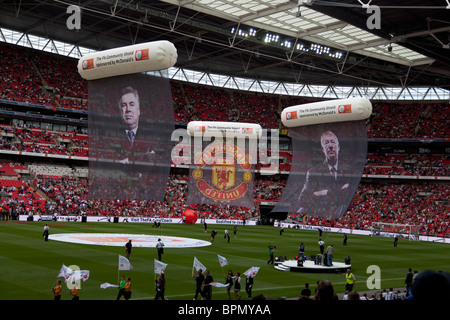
[
  {"x": 131, "y": 137},
  {"x": 333, "y": 172}
]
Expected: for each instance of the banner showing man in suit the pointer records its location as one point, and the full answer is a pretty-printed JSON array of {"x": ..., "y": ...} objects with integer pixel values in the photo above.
[
  {"x": 328, "y": 161},
  {"x": 130, "y": 125}
]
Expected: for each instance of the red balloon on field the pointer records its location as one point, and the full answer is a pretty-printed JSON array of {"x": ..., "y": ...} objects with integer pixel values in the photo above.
[{"x": 189, "y": 216}]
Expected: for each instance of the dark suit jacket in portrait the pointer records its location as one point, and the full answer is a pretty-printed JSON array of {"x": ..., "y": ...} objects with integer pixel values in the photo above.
[
  {"x": 337, "y": 199},
  {"x": 142, "y": 148}
]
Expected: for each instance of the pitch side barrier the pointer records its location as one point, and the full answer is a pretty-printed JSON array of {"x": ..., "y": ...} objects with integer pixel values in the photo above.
[
  {"x": 72, "y": 218},
  {"x": 232, "y": 222},
  {"x": 357, "y": 232}
]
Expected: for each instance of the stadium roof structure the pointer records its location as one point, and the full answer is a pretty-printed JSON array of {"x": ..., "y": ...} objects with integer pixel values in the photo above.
[{"x": 379, "y": 48}]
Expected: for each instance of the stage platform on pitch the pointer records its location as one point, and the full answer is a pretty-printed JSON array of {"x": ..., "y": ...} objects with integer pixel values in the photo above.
[{"x": 310, "y": 267}]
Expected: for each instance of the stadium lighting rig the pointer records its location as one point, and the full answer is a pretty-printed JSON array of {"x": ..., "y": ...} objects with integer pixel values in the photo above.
[{"x": 273, "y": 39}]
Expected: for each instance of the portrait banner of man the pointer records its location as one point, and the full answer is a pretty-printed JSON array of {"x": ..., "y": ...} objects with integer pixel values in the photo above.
[
  {"x": 131, "y": 120},
  {"x": 327, "y": 165}
]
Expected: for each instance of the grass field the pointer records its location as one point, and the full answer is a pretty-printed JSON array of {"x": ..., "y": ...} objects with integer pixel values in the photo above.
[{"x": 29, "y": 265}]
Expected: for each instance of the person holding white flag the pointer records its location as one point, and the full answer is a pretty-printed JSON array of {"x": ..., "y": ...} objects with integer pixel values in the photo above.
[
  {"x": 229, "y": 283},
  {"x": 207, "y": 289},
  {"x": 71, "y": 276},
  {"x": 122, "y": 283},
  {"x": 197, "y": 265},
  {"x": 75, "y": 293},
  {"x": 57, "y": 290},
  {"x": 159, "y": 268},
  {"x": 249, "y": 285},
  {"x": 251, "y": 272},
  {"x": 237, "y": 286},
  {"x": 124, "y": 264},
  {"x": 199, "y": 279},
  {"x": 160, "y": 287}
]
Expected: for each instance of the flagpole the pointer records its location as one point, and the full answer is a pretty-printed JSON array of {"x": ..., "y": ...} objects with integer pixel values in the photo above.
[
  {"x": 154, "y": 274},
  {"x": 223, "y": 272}
]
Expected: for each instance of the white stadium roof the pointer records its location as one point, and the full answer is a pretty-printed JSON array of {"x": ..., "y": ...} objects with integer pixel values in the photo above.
[{"x": 282, "y": 17}]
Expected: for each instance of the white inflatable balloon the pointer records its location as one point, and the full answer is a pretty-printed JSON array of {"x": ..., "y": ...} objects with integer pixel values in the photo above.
[
  {"x": 212, "y": 128},
  {"x": 149, "y": 56},
  {"x": 351, "y": 109}
]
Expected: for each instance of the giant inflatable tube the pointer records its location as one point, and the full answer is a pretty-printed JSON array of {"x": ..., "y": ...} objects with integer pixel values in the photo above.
[
  {"x": 149, "y": 56},
  {"x": 351, "y": 109},
  {"x": 213, "y": 128}
]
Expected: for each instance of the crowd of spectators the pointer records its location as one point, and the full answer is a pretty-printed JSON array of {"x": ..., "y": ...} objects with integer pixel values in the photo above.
[
  {"x": 19, "y": 80},
  {"x": 420, "y": 204},
  {"x": 407, "y": 164},
  {"x": 17, "y": 197},
  {"x": 22, "y": 138},
  {"x": 41, "y": 78}
]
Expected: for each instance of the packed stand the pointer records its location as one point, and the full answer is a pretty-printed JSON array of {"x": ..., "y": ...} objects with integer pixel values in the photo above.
[
  {"x": 423, "y": 205},
  {"x": 18, "y": 198}
]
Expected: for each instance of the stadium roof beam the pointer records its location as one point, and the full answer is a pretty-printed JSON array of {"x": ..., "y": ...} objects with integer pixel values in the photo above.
[
  {"x": 281, "y": 17},
  {"x": 188, "y": 35},
  {"x": 311, "y": 91}
]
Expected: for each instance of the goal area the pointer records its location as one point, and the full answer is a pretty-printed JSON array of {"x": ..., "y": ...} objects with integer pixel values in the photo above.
[{"x": 390, "y": 230}]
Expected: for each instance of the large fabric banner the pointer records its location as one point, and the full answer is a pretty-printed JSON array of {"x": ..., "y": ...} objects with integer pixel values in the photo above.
[
  {"x": 222, "y": 173},
  {"x": 130, "y": 125},
  {"x": 327, "y": 164}
]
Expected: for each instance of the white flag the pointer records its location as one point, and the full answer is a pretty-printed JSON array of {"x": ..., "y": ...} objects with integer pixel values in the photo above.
[
  {"x": 159, "y": 267},
  {"x": 108, "y": 285},
  {"x": 64, "y": 271},
  {"x": 198, "y": 265},
  {"x": 68, "y": 278},
  {"x": 77, "y": 275},
  {"x": 124, "y": 263},
  {"x": 223, "y": 262},
  {"x": 251, "y": 272},
  {"x": 219, "y": 285},
  {"x": 84, "y": 275}
]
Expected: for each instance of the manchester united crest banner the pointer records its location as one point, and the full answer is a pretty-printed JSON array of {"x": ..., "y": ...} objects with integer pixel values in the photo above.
[{"x": 221, "y": 173}]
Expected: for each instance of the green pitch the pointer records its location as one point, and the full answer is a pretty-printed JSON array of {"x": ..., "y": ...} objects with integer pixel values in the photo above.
[{"x": 29, "y": 265}]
